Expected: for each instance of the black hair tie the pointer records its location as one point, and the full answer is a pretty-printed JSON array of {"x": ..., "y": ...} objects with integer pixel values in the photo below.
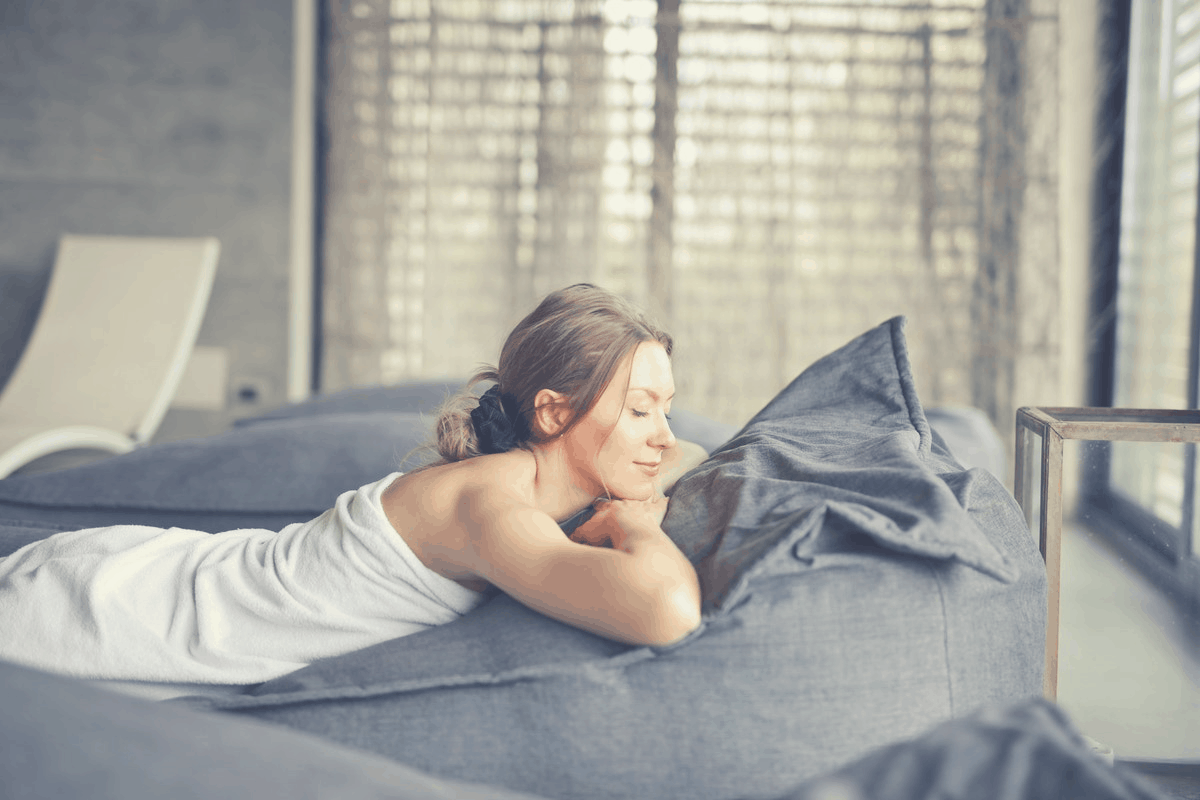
[{"x": 498, "y": 422}]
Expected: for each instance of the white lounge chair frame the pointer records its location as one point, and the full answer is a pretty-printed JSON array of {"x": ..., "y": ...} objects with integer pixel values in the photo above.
[{"x": 111, "y": 342}]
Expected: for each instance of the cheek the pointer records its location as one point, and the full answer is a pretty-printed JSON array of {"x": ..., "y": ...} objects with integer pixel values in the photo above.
[
  {"x": 622, "y": 445},
  {"x": 595, "y": 442}
]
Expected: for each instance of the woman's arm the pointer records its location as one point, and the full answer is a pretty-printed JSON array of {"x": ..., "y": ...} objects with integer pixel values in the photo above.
[{"x": 643, "y": 590}]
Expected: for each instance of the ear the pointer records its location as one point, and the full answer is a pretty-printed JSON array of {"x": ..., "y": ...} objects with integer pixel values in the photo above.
[{"x": 551, "y": 412}]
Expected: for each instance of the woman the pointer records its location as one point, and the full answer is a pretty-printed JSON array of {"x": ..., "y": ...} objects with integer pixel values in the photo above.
[
  {"x": 579, "y": 411},
  {"x": 578, "y": 417}
]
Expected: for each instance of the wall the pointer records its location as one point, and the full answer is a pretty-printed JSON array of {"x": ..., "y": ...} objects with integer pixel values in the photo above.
[
  {"x": 1077, "y": 165},
  {"x": 1077, "y": 57},
  {"x": 154, "y": 117}
]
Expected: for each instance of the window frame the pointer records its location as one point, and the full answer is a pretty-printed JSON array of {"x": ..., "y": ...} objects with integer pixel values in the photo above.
[{"x": 1159, "y": 549}]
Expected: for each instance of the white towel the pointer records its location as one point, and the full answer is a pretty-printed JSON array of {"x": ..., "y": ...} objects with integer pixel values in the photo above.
[{"x": 135, "y": 603}]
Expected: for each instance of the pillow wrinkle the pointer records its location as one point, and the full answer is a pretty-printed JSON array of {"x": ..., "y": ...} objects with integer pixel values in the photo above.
[
  {"x": 723, "y": 580},
  {"x": 908, "y": 386},
  {"x": 830, "y": 527},
  {"x": 925, "y": 539},
  {"x": 893, "y": 521},
  {"x": 861, "y": 456},
  {"x": 613, "y": 663}
]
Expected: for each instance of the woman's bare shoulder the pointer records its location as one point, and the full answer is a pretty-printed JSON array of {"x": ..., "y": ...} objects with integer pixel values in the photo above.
[
  {"x": 493, "y": 522},
  {"x": 502, "y": 483},
  {"x": 438, "y": 510},
  {"x": 503, "y": 478}
]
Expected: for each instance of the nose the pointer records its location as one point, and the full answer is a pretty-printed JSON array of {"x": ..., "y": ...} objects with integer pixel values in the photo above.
[{"x": 663, "y": 437}]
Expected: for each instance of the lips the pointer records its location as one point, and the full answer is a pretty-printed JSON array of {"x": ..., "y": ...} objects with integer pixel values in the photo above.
[{"x": 651, "y": 468}]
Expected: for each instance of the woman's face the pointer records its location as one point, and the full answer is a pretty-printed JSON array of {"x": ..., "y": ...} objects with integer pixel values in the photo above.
[{"x": 619, "y": 444}]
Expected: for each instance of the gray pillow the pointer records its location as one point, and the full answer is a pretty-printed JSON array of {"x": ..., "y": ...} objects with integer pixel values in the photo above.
[
  {"x": 1025, "y": 751},
  {"x": 406, "y": 398},
  {"x": 859, "y": 586},
  {"x": 60, "y": 738},
  {"x": 262, "y": 476}
]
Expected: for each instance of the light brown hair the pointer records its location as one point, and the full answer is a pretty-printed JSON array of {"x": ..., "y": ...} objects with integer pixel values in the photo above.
[{"x": 572, "y": 343}]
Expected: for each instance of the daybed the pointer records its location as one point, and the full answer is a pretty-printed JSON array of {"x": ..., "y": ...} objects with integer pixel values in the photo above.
[{"x": 861, "y": 587}]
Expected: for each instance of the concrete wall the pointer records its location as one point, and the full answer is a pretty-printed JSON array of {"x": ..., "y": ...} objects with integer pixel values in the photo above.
[
  {"x": 1078, "y": 20},
  {"x": 154, "y": 117}
]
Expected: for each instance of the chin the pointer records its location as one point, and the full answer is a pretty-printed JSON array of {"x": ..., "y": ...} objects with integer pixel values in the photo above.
[{"x": 639, "y": 490}]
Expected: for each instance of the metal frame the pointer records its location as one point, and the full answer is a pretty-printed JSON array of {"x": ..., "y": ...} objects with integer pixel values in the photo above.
[{"x": 1054, "y": 425}]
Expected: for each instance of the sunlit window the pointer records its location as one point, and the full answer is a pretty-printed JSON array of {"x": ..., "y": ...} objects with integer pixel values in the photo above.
[
  {"x": 769, "y": 178},
  {"x": 1157, "y": 249}
]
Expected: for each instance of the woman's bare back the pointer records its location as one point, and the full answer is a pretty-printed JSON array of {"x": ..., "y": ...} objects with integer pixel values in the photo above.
[{"x": 426, "y": 508}]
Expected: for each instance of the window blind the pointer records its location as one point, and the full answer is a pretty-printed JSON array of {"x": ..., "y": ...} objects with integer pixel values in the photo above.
[
  {"x": 1157, "y": 244},
  {"x": 768, "y": 178}
]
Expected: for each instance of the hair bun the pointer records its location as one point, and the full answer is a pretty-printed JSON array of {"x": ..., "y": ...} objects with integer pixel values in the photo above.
[{"x": 498, "y": 422}]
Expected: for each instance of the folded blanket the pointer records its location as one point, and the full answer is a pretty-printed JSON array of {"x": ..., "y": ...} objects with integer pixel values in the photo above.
[{"x": 135, "y": 603}]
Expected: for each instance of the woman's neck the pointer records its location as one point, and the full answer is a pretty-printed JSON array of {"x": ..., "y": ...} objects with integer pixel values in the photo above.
[{"x": 557, "y": 489}]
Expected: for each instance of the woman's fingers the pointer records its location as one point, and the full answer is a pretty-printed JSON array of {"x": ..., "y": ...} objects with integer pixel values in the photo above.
[{"x": 652, "y": 510}]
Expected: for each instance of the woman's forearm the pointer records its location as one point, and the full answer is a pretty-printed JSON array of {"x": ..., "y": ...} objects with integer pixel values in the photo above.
[
  {"x": 659, "y": 570},
  {"x": 639, "y": 590}
]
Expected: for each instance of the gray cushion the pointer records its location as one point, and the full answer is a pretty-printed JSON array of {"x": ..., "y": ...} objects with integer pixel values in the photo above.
[
  {"x": 263, "y": 476},
  {"x": 859, "y": 586},
  {"x": 1025, "y": 751},
  {"x": 60, "y": 738},
  {"x": 971, "y": 437},
  {"x": 406, "y": 398}
]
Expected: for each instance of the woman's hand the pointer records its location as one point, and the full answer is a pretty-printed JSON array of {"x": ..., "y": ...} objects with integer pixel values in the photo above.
[{"x": 617, "y": 520}]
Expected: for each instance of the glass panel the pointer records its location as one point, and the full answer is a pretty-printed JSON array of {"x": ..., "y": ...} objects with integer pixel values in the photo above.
[
  {"x": 1157, "y": 243},
  {"x": 1195, "y": 512},
  {"x": 1150, "y": 475},
  {"x": 1129, "y": 665},
  {"x": 1030, "y": 493}
]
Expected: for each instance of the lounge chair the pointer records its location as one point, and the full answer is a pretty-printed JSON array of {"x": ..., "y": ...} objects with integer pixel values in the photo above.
[{"x": 115, "y": 331}]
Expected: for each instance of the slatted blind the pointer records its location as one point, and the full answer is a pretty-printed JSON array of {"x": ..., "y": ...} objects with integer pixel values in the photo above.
[
  {"x": 826, "y": 165},
  {"x": 1157, "y": 256},
  {"x": 769, "y": 178}
]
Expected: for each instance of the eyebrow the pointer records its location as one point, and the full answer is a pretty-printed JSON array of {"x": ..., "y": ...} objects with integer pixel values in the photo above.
[{"x": 650, "y": 392}]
